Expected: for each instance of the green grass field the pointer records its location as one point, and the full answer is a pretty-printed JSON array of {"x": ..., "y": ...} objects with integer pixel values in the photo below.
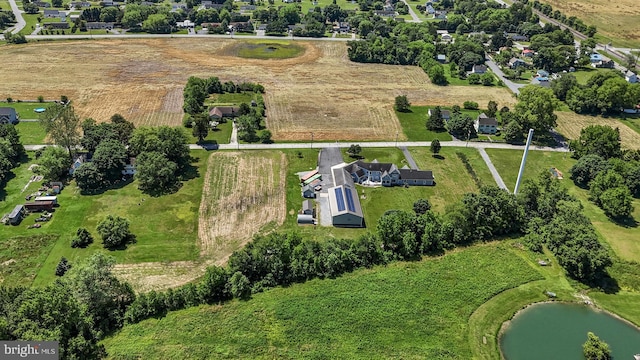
[
  {"x": 31, "y": 133},
  {"x": 265, "y": 50},
  {"x": 166, "y": 226},
  {"x": 404, "y": 310},
  {"x": 220, "y": 136},
  {"x": 25, "y": 109},
  {"x": 584, "y": 74},
  {"x": 413, "y": 125},
  {"x": 622, "y": 239},
  {"x": 309, "y": 4}
]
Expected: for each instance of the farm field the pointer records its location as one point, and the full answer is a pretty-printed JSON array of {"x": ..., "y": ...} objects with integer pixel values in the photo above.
[
  {"x": 403, "y": 310},
  {"x": 622, "y": 239},
  {"x": 570, "y": 124},
  {"x": 617, "y": 22},
  {"x": 165, "y": 227},
  {"x": 144, "y": 78}
]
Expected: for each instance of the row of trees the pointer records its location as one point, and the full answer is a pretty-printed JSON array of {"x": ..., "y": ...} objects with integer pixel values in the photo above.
[
  {"x": 570, "y": 21},
  {"x": 11, "y": 150},
  {"x": 611, "y": 175},
  {"x": 604, "y": 93}
]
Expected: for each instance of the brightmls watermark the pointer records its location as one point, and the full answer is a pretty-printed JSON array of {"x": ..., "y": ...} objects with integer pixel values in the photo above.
[{"x": 40, "y": 350}]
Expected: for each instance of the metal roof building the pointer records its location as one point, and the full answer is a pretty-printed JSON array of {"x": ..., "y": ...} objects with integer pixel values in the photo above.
[{"x": 346, "y": 210}]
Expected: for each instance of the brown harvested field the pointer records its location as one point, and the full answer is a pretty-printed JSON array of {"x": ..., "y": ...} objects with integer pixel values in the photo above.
[
  {"x": 244, "y": 193},
  {"x": 618, "y": 20},
  {"x": 321, "y": 91},
  {"x": 570, "y": 124}
]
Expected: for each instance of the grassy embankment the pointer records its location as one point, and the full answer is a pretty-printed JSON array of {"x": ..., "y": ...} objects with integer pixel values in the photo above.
[
  {"x": 403, "y": 310},
  {"x": 165, "y": 227}
]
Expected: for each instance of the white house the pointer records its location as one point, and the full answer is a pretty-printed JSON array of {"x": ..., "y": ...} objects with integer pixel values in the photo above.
[
  {"x": 631, "y": 77},
  {"x": 485, "y": 124}
]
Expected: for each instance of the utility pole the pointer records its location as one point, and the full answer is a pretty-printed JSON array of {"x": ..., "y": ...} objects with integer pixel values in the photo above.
[
  {"x": 523, "y": 162},
  {"x": 312, "y": 140},
  {"x": 397, "y": 132}
]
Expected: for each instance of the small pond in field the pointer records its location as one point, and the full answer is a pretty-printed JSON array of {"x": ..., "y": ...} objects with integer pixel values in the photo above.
[{"x": 558, "y": 330}]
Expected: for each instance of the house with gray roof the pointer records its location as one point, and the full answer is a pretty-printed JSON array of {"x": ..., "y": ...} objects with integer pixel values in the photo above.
[
  {"x": 8, "y": 115},
  {"x": 485, "y": 124}
]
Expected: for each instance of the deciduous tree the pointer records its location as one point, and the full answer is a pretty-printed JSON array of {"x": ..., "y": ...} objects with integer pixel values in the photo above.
[
  {"x": 402, "y": 103},
  {"x": 155, "y": 172},
  {"x": 435, "y": 147},
  {"x": 601, "y": 140},
  {"x": 54, "y": 164},
  {"x": 114, "y": 231},
  {"x": 535, "y": 109},
  {"x": 62, "y": 124}
]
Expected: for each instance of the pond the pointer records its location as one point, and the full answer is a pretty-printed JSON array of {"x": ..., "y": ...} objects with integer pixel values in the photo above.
[{"x": 558, "y": 330}]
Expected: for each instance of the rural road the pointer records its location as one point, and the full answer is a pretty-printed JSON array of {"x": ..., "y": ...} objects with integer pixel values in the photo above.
[
  {"x": 515, "y": 88},
  {"x": 412, "y": 13},
  {"x": 494, "y": 172},
  {"x": 159, "y": 36},
  {"x": 372, "y": 144},
  {"x": 20, "y": 23}
]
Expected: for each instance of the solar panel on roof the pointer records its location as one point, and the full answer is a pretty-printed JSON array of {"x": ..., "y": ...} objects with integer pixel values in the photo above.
[
  {"x": 339, "y": 199},
  {"x": 349, "y": 196}
]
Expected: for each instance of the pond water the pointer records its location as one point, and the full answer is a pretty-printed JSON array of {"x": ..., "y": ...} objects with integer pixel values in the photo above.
[{"x": 557, "y": 331}]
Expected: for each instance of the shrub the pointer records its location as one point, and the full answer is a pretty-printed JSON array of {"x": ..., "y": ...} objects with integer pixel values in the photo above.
[
  {"x": 83, "y": 239},
  {"x": 470, "y": 105},
  {"x": 114, "y": 231}
]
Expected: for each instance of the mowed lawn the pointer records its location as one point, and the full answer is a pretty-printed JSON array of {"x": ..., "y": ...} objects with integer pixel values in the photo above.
[
  {"x": 31, "y": 133},
  {"x": 400, "y": 311},
  {"x": 165, "y": 226},
  {"x": 623, "y": 239},
  {"x": 414, "y": 125}
]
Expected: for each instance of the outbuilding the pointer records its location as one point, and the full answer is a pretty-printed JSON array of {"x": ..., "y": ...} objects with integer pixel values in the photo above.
[
  {"x": 16, "y": 215},
  {"x": 308, "y": 207},
  {"x": 305, "y": 219},
  {"x": 53, "y": 199}
]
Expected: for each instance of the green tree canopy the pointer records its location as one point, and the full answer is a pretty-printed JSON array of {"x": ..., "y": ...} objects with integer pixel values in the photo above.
[
  {"x": 62, "y": 124},
  {"x": 595, "y": 349},
  {"x": 601, "y": 140},
  {"x": 54, "y": 164},
  {"x": 114, "y": 231},
  {"x": 534, "y": 109}
]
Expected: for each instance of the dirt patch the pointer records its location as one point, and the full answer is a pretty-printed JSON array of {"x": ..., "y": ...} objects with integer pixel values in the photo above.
[{"x": 243, "y": 193}]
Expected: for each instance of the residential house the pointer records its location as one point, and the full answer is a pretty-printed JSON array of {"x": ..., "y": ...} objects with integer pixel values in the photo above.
[
  {"x": 79, "y": 160},
  {"x": 515, "y": 62},
  {"x": 342, "y": 27},
  {"x": 528, "y": 53},
  {"x": 517, "y": 37},
  {"x": 187, "y": 24},
  {"x": 244, "y": 26},
  {"x": 220, "y": 112},
  {"x": 429, "y": 9},
  {"x": 42, "y": 4},
  {"x": 57, "y": 25},
  {"x": 542, "y": 74},
  {"x": 80, "y": 4},
  {"x": 446, "y": 37},
  {"x": 178, "y": 7},
  {"x": 416, "y": 177},
  {"x": 442, "y": 58},
  {"x": 594, "y": 58},
  {"x": 604, "y": 64},
  {"x": 247, "y": 8},
  {"x": 479, "y": 69},
  {"x": 442, "y": 15},
  {"x": 385, "y": 13},
  {"x": 385, "y": 174},
  {"x": 208, "y": 4},
  {"x": 631, "y": 77},
  {"x": 485, "y": 124},
  {"x": 446, "y": 114},
  {"x": 50, "y": 14},
  {"x": 8, "y": 115},
  {"x": 97, "y": 25}
]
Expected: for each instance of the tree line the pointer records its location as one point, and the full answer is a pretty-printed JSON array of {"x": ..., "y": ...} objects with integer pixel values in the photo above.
[
  {"x": 11, "y": 150},
  {"x": 611, "y": 174},
  {"x": 571, "y": 21}
]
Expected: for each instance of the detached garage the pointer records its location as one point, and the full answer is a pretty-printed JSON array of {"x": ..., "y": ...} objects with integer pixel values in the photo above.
[{"x": 345, "y": 207}]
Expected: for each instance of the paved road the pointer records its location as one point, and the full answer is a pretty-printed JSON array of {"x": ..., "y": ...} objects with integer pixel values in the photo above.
[
  {"x": 378, "y": 144},
  {"x": 155, "y": 36},
  {"x": 494, "y": 172},
  {"x": 20, "y": 23},
  {"x": 407, "y": 155},
  {"x": 413, "y": 14},
  {"x": 514, "y": 87}
]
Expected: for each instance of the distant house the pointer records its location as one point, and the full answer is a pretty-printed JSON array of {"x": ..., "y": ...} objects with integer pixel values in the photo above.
[
  {"x": 80, "y": 4},
  {"x": 187, "y": 24},
  {"x": 594, "y": 58},
  {"x": 57, "y": 25},
  {"x": 50, "y": 14},
  {"x": 479, "y": 69},
  {"x": 517, "y": 37},
  {"x": 485, "y": 124},
  {"x": 515, "y": 62},
  {"x": 604, "y": 64},
  {"x": 631, "y": 77},
  {"x": 385, "y": 174},
  {"x": 429, "y": 9},
  {"x": 385, "y": 13},
  {"x": 208, "y": 4},
  {"x": 308, "y": 208},
  {"x": 342, "y": 27},
  {"x": 542, "y": 74},
  {"x": 440, "y": 15},
  {"x": 42, "y": 4},
  {"x": 528, "y": 53},
  {"x": 446, "y": 37},
  {"x": 8, "y": 115},
  {"x": 178, "y": 7},
  {"x": 247, "y": 8},
  {"x": 219, "y": 112},
  {"x": 79, "y": 160},
  {"x": 446, "y": 114},
  {"x": 442, "y": 58},
  {"x": 16, "y": 214},
  {"x": 97, "y": 25}
]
